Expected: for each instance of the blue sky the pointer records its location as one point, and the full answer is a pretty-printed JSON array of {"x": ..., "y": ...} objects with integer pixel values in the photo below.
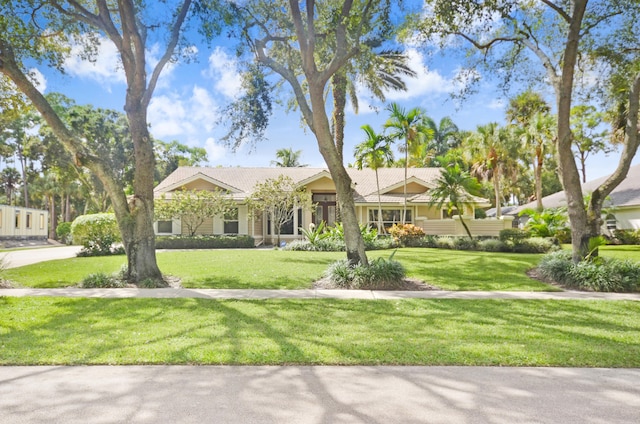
[{"x": 190, "y": 97}]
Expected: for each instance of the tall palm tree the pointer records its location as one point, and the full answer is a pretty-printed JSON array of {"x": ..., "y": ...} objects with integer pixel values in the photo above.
[
  {"x": 408, "y": 126},
  {"x": 491, "y": 154},
  {"x": 452, "y": 189},
  {"x": 288, "y": 158},
  {"x": 446, "y": 136},
  {"x": 374, "y": 152},
  {"x": 537, "y": 137}
]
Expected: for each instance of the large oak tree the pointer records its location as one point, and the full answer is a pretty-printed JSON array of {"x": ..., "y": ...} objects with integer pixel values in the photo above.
[
  {"x": 43, "y": 31},
  {"x": 561, "y": 39}
]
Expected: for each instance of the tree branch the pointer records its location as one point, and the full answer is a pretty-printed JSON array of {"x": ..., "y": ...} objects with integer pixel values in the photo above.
[
  {"x": 173, "y": 42},
  {"x": 558, "y": 9}
]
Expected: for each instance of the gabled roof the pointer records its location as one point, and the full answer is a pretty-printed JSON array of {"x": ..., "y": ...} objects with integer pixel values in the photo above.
[
  {"x": 627, "y": 194},
  {"x": 241, "y": 181}
]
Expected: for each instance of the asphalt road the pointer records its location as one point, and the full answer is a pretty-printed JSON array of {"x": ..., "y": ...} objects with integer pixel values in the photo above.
[{"x": 318, "y": 395}]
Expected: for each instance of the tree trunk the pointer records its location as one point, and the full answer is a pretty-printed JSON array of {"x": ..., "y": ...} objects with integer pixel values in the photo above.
[
  {"x": 538, "y": 176},
  {"x": 339, "y": 91},
  {"x": 137, "y": 228},
  {"x": 464, "y": 224},
  {"x": 67, "y": 209},
  {"x": 53, "y": 219},
  {"x": 496, "y": 192},
  {"x": 380, "y": 226},
  {"x": 404, "y": 191},
  {"x": 569, "y": 175}
]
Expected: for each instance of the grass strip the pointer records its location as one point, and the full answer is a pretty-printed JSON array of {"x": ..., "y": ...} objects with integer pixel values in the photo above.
[
  {"x": 277, "y": 269},
  {"x": 76, "y": 331}
]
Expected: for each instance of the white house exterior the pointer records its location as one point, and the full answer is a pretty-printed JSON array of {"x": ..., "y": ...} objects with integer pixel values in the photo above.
[
  {"x": 18, "y": 223},
  {"x": 624, "y": 202}
]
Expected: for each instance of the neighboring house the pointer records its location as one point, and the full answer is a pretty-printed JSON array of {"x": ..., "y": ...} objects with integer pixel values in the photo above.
[
  {"x": 623, "y": 206},
  {"x": 18, "y": 223},
  {"x": 239, "y": 183}
]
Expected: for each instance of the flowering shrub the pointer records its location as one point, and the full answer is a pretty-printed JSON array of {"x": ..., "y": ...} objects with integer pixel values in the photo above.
[{"x": 405, "y": 234}]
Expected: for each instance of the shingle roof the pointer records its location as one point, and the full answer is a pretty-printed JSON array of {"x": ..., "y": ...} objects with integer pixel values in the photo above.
[
  {"x": 364, "y": 181},
  {"x": 625, "y": 195}
]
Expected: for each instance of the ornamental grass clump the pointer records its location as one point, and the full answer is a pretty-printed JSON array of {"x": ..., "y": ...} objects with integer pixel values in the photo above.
[
  {"x": 596, "y": 274},
  {"x": 380, "y": 274}
]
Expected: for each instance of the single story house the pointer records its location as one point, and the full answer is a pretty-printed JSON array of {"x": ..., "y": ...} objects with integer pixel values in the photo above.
[
  {"x": 19, "y": 223},
  {"x": 240, "y": 182},
  {"x": 624, "y": 203}
]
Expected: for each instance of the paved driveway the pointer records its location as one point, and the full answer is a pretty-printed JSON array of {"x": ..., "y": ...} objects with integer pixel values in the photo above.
[{"x": 16, "y": 258}]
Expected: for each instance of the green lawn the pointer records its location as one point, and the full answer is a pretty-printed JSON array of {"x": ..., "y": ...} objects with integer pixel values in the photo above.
[
  {"x": 426, "y": 332},
  {"x": 277, "y": 269}
]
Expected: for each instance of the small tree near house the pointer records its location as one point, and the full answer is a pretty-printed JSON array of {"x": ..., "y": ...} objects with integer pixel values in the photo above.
[
  {"x": 279, "y": 198},
  {"x": 193, "y": 207}
]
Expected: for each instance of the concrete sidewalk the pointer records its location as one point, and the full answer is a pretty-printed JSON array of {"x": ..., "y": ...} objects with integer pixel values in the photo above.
[
  {"x": 170, "y": 293},
  {"x": 318, "y": 395}
]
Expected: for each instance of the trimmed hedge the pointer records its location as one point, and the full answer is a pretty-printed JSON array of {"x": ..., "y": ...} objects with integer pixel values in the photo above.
[{"x": 204, "y": 242}]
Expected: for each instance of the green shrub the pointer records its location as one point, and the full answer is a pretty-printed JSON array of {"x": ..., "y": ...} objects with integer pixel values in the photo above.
[
  {"x": 513, "y": 235},
  {"x": 534, "y": 245},
  {"x": 100, "y": 280},
  {"x": 602, "y": 275},
  {"x": 464, "y": 243},
  {"x": 406, "y": 234},
  {"x": 96, "y": 233},
  {"x": 380, "y": 243},
  {"x": 493, "y": 245},
  {"x": 63, "y": 232},
  {"x": 204, "y": 242},
  {"x": 627, "y": 236},
  {"x": 425, "y": 241},
  {"x": 444, "y": 243},
  {"x": 380, "y": 274},
  {"x": 556, "y": 266}
]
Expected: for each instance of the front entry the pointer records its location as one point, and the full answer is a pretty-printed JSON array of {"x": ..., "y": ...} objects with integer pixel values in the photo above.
[{"x": 326, "y": 209}]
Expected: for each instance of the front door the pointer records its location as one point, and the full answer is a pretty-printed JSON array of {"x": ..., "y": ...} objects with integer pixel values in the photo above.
[{"x": 326, "y": 209}]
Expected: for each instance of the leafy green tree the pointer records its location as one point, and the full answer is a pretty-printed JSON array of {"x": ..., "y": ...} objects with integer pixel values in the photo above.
[
  {"x": 374, "y": 152},
  {"x": 524, "y": 106},
  {"x": 306, "y": 44},
  {"x": 453, "y": 187},
  {"x": 193, "y": 207},
  {"x": 128, "y": 25},
  {"x": 549, "y": 41},
  {"x": 279, "y": 198},
  {"x": 10, "y": 180},
  {"x": 409, "y": 127},
  {"x": 288, "y": 158},
  {"x": 588, "y": 136},
  {"x": 173, "y": 154}
]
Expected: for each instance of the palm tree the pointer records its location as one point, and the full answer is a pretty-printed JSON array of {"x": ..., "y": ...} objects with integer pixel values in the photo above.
[
  {"x": 446, "y": 136},
  {"x": 537, "y": 136},
  {"x": 374, "y": 152},
  {"x": 410, "y": 127},
  {"x": 453, "y": 188},
  {"x": 288, "y": 158},
  {"x": 10, "y": 181},
  {"x": 491, "y": 155},
  {"x": 378, "y": 72}
]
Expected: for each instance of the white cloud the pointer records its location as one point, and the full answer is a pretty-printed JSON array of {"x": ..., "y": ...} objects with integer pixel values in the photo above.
[
  {"x": 224, "y": 70},
  {"x": 215, "y": 151},
  {"x": 105, "y": 68},
  {"x": 172, "y": 115},
  {"x": 425, "y": 81},
  {"x": 38, "y": 79}
]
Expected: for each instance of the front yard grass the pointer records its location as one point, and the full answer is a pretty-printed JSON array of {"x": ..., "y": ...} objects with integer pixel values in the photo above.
[
  {"x": 36, "y": 331},
  {"x": 277, "y": 269}
]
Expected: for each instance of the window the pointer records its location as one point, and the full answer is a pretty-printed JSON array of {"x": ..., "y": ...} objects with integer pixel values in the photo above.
[
  {"x": 165, "y": 227},
  {"x": 231, "y": 221},
  {"x": 29, "y": 219},
  {"x": 17, "y": 219},
  {"x": 446, "y": 214},
  {"x": 389, "y": 216},
  {"x": 287, "y": 227},
  {"x": 42, "y": 221}
]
